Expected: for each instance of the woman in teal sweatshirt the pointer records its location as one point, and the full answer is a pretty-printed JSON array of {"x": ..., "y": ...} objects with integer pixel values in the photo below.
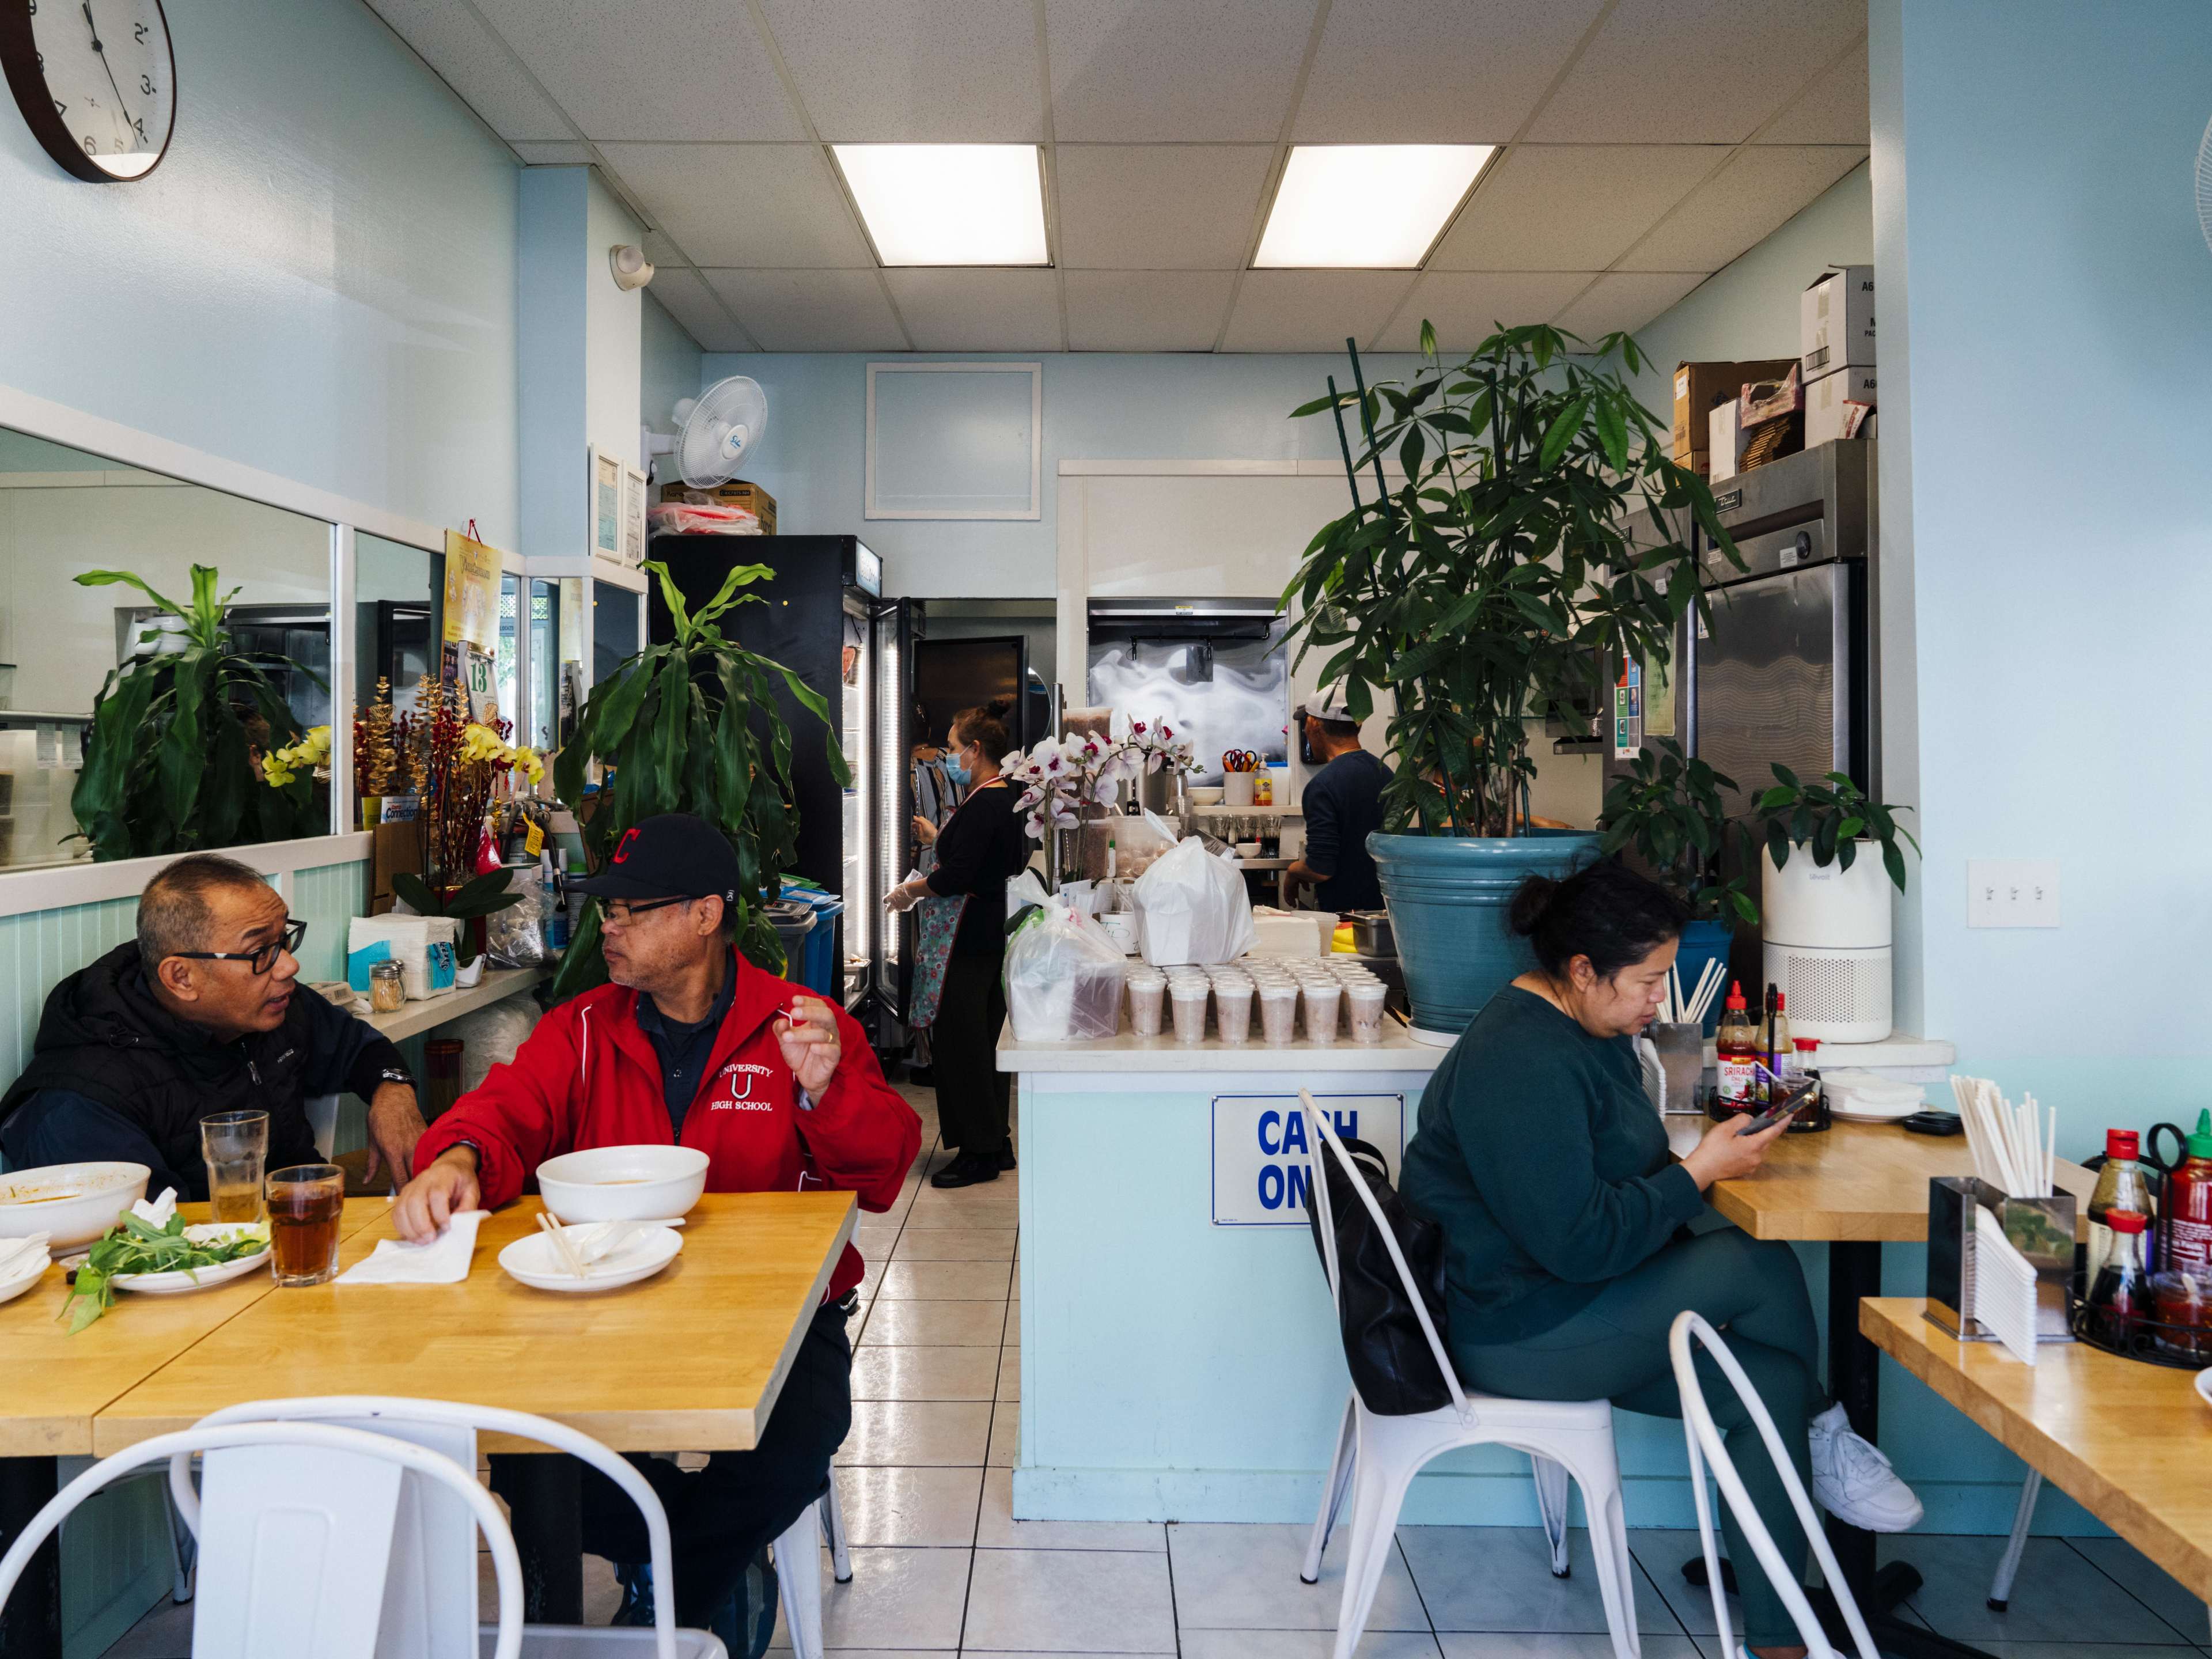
[{"x": 1567, "y": 1249}]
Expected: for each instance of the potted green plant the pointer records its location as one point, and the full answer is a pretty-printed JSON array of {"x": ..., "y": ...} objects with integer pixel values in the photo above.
[
  {"x": 691, "y": 726},
  {"x": 1667, "y": 811},
  {"x": 179, "y": 736},
  {"x": 1833, "y": 819},
  {"x": 1537, "y": 528},
  {"x": 468, "y": 904}
]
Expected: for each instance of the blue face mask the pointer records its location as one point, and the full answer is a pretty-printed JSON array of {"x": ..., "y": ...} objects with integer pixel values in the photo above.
[{"x": 956, "y": 772}]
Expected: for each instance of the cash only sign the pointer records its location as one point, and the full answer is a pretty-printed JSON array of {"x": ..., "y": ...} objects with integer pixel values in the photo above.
[{"x": 1261, "y": 1148}]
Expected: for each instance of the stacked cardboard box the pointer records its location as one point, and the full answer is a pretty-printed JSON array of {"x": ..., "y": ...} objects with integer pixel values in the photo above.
[
  {"x": 1836, "y": 348},
  {"x": 1699, "y": 388},
  {"x": 736, "y": 493}
]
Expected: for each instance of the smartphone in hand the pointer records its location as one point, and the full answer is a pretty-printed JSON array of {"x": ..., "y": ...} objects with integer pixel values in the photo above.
[{"x": 1787, "y": 1107}]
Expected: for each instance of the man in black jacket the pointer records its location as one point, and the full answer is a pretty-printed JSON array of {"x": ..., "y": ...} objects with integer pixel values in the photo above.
[{"x": 202, "y": 1014}]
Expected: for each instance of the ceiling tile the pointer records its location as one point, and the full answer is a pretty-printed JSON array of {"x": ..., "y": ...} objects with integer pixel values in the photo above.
[
  {"x": 1468, "y": 307},
  {"x": 811, "y": 310},
  {"x": 1146, "y": 310},
  {"x": 466, "y": 56},
  {"x": 979, "y": 310},
  {"x": 692, "y": 69},
  {"x": 1159, "y": 207},
  {"x": 914, "y": 71},
  {"x": 1384, "y": 65},
  {"x": 1573, "y": 207},
  {"x": 661, "y": 250},
  {"x": 1196, "y": 71},
  {"x": 1694, "y": 71},
  {"x": 1833, "y": 110},
  {"x": 1752, "y": 195},
  {"x": 1311, "y": 310},
  {"x": 1626, "y": 300},
  {"x": 692, "y": 303},
  {"x": 744, "y": 204},
  {"x": 563, "y": 154}
]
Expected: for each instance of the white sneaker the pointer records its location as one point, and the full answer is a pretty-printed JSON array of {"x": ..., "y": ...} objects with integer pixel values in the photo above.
[{"x": 1854, "y": 1482}]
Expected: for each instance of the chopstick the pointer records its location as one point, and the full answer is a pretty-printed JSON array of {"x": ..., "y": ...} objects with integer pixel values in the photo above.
[
  {"x": 2015, "y": 1147},
  {"x": 562, "y": 1247}
]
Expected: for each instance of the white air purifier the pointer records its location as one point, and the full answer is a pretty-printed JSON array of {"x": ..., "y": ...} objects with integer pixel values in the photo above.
[{"x": 1828, "y": 935}]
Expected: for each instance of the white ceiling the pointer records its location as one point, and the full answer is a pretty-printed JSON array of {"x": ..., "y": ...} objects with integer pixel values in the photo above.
[{"x": 1643, "y": 144}]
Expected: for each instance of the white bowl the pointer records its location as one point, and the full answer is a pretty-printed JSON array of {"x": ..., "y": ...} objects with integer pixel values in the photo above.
[
  {"x": 623, "y": 1183},
  {"x": 74, "y": 1202},
  {"x": 1206, "y": 794}
]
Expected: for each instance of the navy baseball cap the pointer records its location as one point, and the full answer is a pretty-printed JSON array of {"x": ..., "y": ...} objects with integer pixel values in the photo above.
[{"x": 674, "y": 855}]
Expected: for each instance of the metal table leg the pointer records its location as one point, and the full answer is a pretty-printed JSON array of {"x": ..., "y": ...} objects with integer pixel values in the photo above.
[
  {"x": 31, "y": 1623},
  {"x": 544, "y": 1495}
]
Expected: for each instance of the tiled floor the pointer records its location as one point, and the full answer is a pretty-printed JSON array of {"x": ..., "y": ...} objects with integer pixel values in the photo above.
[{"x": 940, "y": 1566}]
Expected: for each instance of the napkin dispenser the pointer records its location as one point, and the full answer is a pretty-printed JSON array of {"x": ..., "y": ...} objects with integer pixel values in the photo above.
[{"x": 2040, "y": 1228}]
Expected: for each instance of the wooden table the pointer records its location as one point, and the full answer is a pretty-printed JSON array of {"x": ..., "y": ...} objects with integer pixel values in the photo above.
[
  {"x": 52, "y": 1385},
  {"x": 689, "y": 1360},
  {"x": 1855, "y": 1187},
  {"x": 2130, "y": 1441}
]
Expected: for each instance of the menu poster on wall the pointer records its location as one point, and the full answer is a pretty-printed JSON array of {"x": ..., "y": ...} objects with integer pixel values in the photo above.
[
  {"x": 634, "y": 494},
  {"x": 606, "y": 504},
  {"x": 472, "y": 572}
]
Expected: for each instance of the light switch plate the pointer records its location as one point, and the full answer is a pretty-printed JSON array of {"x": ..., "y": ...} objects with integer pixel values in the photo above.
[{"x": 2012, "y": 892}]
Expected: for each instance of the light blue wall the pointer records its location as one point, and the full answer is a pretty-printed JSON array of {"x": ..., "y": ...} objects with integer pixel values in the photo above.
[
  {"x": 1097, "y": 406},
  {"x": 318, "y": 281},
  {"x": 669, "y": 365}
]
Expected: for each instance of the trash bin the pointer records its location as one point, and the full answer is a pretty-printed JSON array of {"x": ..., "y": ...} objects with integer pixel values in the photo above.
[{"x": 793, "y": 921}]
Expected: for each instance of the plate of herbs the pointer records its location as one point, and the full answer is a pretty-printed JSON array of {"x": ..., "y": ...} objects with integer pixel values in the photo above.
[{"x": 170, "y": 1259}]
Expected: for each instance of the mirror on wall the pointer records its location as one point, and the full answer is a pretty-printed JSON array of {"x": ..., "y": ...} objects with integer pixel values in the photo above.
[{"x": 64, "y": 511}]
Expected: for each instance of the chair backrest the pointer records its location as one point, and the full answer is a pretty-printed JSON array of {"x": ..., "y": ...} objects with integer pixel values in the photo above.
[
  {"x": 301, "y": 1514},
  {"x": 1323, "y": 1141},
  {"x": 1705, "y": 1446},
  {"x": 424, "y": 1594}
]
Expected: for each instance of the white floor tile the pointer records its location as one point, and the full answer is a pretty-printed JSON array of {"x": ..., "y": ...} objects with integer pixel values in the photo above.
[
  {"x": 925, "y": 1373},
  {"x": 1306, "y": 1644},
  {"x": 1000, "y": 1531},
  {"x": 2146, "y": 1581},
  {"x": 1246, "y": 1578},
  {"x": 898, "y": 1599},
  {"x": 2059, "y": 1596},
  {"x": 957, "y": 1244},
  {"x": 1661, "y": 1551},
  {"x": 926, "y": 1324},
  {"x": 1519, "y": 1644},
  {"x": 166, "y": 1632},
  {"x": 1499, "y": 1578},
  {"x": 1070, "y": 1601},
  {"x": 947, "y": 1281},
  {"x": 1005, "y": 1448},
  {"x": 917, "y": 1434},
  {"x": 909, "y": 1508}
]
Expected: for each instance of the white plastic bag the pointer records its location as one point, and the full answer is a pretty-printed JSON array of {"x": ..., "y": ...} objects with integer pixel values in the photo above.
[
  {"x": 1024, "y": 891},
  {"x": 1195, "y": 907},
  {"x": 1064, "y": 977}
]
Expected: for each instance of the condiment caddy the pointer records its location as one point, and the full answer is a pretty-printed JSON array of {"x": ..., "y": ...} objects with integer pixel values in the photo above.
[{"x": 2143, "y": 1284}]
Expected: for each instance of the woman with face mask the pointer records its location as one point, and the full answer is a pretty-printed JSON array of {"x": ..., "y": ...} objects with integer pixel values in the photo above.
[{"x": 959, "y": 992}]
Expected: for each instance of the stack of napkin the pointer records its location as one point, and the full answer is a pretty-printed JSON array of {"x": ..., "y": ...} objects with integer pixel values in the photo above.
[{"x": 440, "y": 1261}]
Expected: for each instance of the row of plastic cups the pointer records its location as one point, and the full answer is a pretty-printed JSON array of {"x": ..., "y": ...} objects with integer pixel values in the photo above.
[{"x": 1182, "y": 994}]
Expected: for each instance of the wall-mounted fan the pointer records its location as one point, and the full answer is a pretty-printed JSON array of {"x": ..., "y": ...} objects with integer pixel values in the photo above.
[
  {"x": 714, "y": 431},
  {"x": 2204, "y": 185}
]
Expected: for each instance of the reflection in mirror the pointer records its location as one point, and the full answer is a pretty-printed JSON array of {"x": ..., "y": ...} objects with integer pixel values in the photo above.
[
  {"x": 399, "y": 592},
  {"x": 63, "y": 513}
]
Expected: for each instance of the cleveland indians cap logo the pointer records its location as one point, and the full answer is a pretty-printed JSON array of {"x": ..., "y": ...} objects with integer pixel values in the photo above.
[{"x": 622, "y": 848}]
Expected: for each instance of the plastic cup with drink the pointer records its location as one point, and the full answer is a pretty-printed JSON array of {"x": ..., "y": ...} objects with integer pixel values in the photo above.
[
  {"x": 304, "y": 1203},
  {"x": 235, "y": 1145}
]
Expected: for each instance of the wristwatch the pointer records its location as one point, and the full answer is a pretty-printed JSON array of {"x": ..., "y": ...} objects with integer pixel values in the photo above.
[{"x": 396, "y": 1075}]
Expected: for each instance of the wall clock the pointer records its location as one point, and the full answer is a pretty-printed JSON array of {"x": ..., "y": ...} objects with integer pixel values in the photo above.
[{"x": 95, "y": 80}]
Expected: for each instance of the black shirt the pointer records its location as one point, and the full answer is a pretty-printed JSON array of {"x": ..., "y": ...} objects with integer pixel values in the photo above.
[
  {"x": 1343, "y": 807},
  {"x": 984, "y": 846},
  {"x": 684, "y": 1050}
]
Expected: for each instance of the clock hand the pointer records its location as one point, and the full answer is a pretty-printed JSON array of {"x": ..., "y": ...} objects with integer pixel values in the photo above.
[{"x": 101, "y": 52}]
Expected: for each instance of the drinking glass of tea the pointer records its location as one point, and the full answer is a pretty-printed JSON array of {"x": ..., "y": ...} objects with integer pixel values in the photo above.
[
  {"x": 235, "y": 1145},
  {"x": 305, "y": 1202}
]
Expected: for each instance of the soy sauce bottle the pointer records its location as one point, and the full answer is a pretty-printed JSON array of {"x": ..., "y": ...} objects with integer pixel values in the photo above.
[{"x": 2120, "y": 1294}]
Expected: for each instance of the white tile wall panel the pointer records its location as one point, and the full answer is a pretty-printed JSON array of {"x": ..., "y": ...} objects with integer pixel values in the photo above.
[
  {"x": 744, "y": 204},
  {"x": 1468, "y": 307},
  {"x": 979, "y": 310},
  {"x": 1754, "y": 195},
  {"x": 1159, "y": 207},
  {"x": 1831, "y": 110},
  {"x": 1146, "y": 310},
  {"x": 1312, "y": 310},
  {"x": 693, "y": 304},
  {"x": 914, "y": 71},
  {"x": 1570, "y": 207},
  {"x": 476, "y": 65},
  {"x": 1626, "y": 300},
  {"x": 811, "y": 310},
  {"x": 1199, "y": 71}
]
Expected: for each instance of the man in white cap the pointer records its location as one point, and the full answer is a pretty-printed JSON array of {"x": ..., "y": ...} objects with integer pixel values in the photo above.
[{"x": 1343, "y": 805}]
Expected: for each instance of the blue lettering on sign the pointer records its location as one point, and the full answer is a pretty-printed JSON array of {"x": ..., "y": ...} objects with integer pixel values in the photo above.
[
  {"x": 1265, "y": 1119},
  {"x": 1281, "y": 1185},
  {"x": 1294, "y": 1134}
]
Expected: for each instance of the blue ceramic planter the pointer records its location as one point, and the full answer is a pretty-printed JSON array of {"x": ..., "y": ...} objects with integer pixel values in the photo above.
[{"x": 1448, "y": 897}]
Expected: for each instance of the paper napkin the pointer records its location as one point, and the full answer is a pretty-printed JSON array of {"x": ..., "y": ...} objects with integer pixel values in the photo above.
[
  {"x": 157, "y": 1213},
  {"x": 442, "y": 1260}
]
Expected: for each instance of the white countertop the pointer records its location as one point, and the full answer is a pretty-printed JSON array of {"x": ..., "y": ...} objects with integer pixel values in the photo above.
[
  {"x": 1130, "y": 1053},
  {"x": 428, "y": 1013}
]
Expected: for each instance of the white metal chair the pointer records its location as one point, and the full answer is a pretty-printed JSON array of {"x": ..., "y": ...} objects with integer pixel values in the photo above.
[
  {"x": 1704, "y": 1442},
  {"x": 1378, "y": 1457},
  {"x": 434, "y": 1588},
  {"x": 799, "y": 1568},
  {"x": 308, "y": 1510}
]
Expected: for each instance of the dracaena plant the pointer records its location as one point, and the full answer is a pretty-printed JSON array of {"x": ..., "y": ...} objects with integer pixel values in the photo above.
[
  {"x": 1830, "y": 818},
  {"x": 692, "y": 727},
  {"x": 1667, "y": 810},
  {"x": 1538, "y": 527},
  {"x": 180, "y": 735}
]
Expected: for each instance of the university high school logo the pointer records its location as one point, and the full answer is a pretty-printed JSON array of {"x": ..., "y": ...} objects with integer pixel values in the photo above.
[{"x": 742, "y": 1086}]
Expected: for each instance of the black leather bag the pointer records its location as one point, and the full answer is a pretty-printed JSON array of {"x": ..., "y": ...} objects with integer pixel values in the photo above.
[{"x": 1392, "y": 1366}]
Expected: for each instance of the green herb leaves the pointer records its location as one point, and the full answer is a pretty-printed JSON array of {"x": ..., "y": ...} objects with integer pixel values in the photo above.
[{"x": 135, "y": 1245}]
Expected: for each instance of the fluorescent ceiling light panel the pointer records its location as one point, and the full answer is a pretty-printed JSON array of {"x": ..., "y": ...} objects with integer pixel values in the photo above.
[
  {"x": 949, "y": 204},
  {"x": 1375, "y": 207}
]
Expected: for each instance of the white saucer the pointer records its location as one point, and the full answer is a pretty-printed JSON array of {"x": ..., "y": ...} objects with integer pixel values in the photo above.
[
  {"x": 531, "y": 1259},
  {"x": 182, "y": 1281},
  {"x": 12, "y": 1288}
]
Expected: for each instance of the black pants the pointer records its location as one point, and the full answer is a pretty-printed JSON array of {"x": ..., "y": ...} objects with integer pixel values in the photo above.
[
  {"x": 719, "y": 1517},
  {"x": 972, "y": 1092}
]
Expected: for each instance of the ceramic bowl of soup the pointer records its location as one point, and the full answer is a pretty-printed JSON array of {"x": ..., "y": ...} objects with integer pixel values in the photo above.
[
  {"x": 74, "y": 1202},
  {"x": 623, "y": 1183}
]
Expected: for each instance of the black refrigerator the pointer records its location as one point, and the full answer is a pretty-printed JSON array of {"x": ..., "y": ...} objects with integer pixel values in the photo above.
[{"x": 826, "y": 618}]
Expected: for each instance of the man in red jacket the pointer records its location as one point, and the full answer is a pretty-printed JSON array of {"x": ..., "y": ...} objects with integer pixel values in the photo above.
[{"x": 692, "y": 1044}]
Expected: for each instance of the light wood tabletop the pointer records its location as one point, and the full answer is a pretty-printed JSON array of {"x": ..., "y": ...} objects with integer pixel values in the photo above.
[
  {"x": 52, "y": 1384},
  {"x": 1865, "y": 1183},
  {"x": 2132, "y": 1442},
  {"x": 691, "y": 1359}
]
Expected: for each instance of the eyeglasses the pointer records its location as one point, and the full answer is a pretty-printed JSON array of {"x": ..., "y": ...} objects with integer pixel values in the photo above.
[
  {"x": 261, "y": 960},
  {"x": 619, "y": 913}
]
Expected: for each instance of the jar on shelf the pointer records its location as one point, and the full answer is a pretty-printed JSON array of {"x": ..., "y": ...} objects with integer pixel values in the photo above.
[{"x": 387, "y": 993}]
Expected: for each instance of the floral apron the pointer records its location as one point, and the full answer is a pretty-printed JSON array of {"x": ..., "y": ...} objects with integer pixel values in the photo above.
[{"x": 939, "y": 919}]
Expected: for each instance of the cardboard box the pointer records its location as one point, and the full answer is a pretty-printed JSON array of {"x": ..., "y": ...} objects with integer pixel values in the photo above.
[
  {"x": 1835, "y": 321},
  {"x": 393, "y": 849},
  {"x": 1836, "y": 405},
  {"x": 736, "y": 493},
  {"x": 1764, "y": 400},
  {"x": 1698, "y": 386},
  {"x": 1724, "y": 442}
]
